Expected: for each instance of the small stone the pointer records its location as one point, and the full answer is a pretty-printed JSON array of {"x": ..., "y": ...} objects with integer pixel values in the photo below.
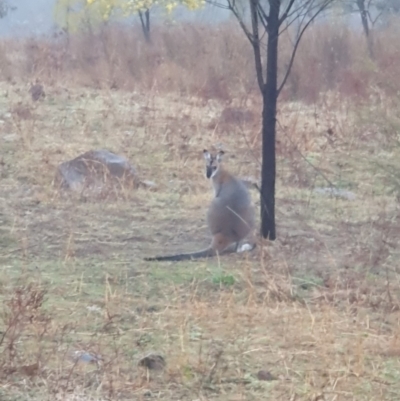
[
  {"x": 87, "y": 357},
  {"x": 148, "y": 184},
  {"x": 152, "y": 361},
  {"x": 265, "y": 375}
]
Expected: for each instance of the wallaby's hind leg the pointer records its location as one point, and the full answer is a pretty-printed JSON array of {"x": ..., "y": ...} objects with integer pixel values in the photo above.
[
  {"x": 221, "y": 243},
  {"x": 247, "y": 244},
  {"x": 245, "y": 247}
]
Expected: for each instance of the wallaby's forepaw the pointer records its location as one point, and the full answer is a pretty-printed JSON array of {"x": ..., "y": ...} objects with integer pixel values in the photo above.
[{"x": 245, "y": 247}]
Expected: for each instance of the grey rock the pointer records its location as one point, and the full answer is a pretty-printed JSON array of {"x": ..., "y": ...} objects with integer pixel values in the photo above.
[
  {"x": 87, "y": 357},
  {"x": 95, "y": 172},
  {"x": 148, "y": 184},
  {"x": 265, "y": 375},
  {"x": 152, "y": 361}
]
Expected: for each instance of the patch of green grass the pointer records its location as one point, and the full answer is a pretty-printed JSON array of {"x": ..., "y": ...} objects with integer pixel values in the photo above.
[
  {"x": 175, "y": 273},
  {"x": 390, "y": 370},
  {"x": 223, "y": 279}
]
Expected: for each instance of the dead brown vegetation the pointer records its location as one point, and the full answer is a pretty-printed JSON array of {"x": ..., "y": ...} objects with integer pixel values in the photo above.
[
  {"x": 206, "y": 61},
  {"x": 318, "y": 310}
]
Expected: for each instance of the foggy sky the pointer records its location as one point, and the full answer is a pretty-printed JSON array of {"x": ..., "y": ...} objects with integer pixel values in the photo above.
[{"x": 35, "y": 17}]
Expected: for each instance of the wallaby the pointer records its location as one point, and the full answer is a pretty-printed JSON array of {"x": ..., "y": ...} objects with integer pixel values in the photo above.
[{"x": 230, "y": 216}]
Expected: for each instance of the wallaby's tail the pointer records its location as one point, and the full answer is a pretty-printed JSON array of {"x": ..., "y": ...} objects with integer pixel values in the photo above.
[{"x": 205, "y": 253}]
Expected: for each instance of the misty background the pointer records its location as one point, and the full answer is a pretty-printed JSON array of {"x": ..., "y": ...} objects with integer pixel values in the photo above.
[{"x": 37, "y": 17}]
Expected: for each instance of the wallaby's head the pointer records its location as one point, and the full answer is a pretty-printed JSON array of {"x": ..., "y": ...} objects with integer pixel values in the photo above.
[{"x": 213, "y": 162}]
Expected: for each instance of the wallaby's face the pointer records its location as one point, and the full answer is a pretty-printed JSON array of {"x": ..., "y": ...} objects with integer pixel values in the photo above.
[{"x": 212, "y": 162}]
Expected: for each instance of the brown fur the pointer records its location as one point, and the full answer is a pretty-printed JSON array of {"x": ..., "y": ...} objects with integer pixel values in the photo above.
[{"x": 230, "y": 216}]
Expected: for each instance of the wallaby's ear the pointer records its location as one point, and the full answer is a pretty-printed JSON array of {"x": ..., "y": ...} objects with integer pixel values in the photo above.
[
  {"x": 220, "y": 155},
  {"x": 206, "y": 154}
]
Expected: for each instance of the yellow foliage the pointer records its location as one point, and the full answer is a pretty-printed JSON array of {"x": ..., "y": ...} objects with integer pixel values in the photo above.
[{"x": 75, "y": 14}]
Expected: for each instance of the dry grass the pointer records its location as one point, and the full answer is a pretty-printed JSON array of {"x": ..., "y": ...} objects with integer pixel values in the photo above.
[
  {"x": 209, "y": 62},
  {"x": 318, "y": 308}
]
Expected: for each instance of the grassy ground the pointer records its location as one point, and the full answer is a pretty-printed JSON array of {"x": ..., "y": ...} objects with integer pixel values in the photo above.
[{"x": 318, "y": 309}]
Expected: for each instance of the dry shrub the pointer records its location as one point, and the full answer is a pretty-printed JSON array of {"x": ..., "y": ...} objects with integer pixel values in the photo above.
[
  {"x": 387, "y": 54},
  {"x": 6, "y": 67},
  {"x": 22, "y": 111},
  {"x": 237, "y": 116},
  {"x": 207, "y": 61},
  {"x": 325, "y": 54},
  {"x": 22, "y": 317}
]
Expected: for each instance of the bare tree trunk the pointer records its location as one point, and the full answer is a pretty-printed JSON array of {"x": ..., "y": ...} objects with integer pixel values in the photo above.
[
  {"x": 365, "y": 24},
  {"x": 265, "y": 14},
  {"x": 145, "y": 21},
  {"x": 270, "y": 98}
]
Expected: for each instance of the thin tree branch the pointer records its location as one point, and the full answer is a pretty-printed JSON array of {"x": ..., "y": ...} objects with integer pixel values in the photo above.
[
  {"x": 218, "y": 4},
  {"x": 142, "y": 20},
  {"x": 254, "y": 7},
  {"x": 264, "y": 15},
  {"x": 145, "y": 21},
  {"x": 292, "y": 21},
  {"x": 299, "y": 17},
  {"x": 263, "y": 19},
  {"x": 301, "y": 7},
  {"x": 373, "y": 21},
  {"x": 232, "y": 7},
  {"x": 322, "y": 8},
  {"x": 285, "y": 14},
  {"x": 332, "y": 185}
]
